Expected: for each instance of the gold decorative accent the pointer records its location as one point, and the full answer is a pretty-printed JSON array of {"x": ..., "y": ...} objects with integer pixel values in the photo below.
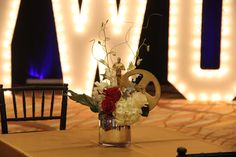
[{"x": 147, "y": 77}]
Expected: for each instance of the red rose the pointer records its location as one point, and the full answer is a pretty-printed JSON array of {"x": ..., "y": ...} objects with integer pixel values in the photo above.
[
  {"x": 113, "y": 93},
  {"x": 108, "y": 106}
]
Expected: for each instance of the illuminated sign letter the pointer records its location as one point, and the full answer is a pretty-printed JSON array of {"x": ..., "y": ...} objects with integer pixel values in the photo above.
[
  {"x": 8, "y": 14},
  {"x": 184, "y": 70},
  {"x": 76, "y": 27}
]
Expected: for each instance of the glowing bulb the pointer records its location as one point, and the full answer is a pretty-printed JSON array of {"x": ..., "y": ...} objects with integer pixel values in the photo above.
[
  {"x": 181, "y": 87},
  {"x": 141, "y": 9},
  {"x": 111, "y": 1},
  {"x": 6, "y": 55},
  {"x": 8, "y": 34},
  {"x": 198, "y": 9},
  {"x": 172, "y": 78},
  {"x": 122, "y": 11},
  {"x": 68, "y": 80},
  {"x": 203, "y": 97},
  {"x": 172, "y": 53},
  {"x": 7, "y": 67},
  {"x": 224, "y": 57},
  {"x": 90, "y": 78},
  {"x": 142, "y": 2},
  {"x": 229, "y": 97},
  {"x": 196, "y": 56},
  {"x": 196, "y": 43},
  {"x": 227, "y": 10},
  {"x": 197, "y": 31},
  {"x": 14, "y": 5},
  {"x": 225, "y": 31},
  {"x": 60, "y": 29},
  {"x": 191, "y": 97},
  {"x": 113, "y": 11},
  {"x": 198, "y": 2},
  {"x": 172, "y": 66},
  {"x": 223, "y": 71},
  {"x": 226, "y": 21},
  {"x": 173, "y": 10},
  {"x": 6, "y": 43},
  {"x": 216, "y": 97},
  {"x": 225, "y": 44},
  {"x": 173, "y": 20},
  {"x": 172, "y": 32},
  {"x": 172, "y": 41},
  {"x": 66, "y": 68},
  {"x": 62, "y": 47},
  {"x": 79, "y": 28},
  {"x": 173, "y": 1},
  {"x": 6, "y": 81}
]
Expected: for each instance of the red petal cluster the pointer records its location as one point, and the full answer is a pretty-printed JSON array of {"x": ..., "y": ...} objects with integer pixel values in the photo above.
[
  {"x": 108, "y": 106},
  {"x": 112, "y": 95}
]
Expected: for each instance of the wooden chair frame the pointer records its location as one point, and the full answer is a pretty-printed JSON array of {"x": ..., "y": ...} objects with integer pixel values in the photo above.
[{"x": 4, "y": 119}]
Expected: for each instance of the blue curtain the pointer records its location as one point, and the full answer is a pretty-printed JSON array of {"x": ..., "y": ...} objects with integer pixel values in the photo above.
[{"x": 211, "y": 34}]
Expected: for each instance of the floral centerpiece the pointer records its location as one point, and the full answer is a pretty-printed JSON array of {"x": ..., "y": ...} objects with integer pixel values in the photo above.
[{"x": 119, "y": 100}]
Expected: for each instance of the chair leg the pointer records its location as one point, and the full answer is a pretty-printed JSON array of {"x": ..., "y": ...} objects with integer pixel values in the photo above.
[
  {"x": 63, "y": 116},
  {"x": 3, "y": 119},
  {"x": 64, "y": 109}
]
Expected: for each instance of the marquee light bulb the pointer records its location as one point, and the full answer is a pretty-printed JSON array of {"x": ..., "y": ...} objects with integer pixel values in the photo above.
[
  {"x": 203, "y": 97},
  {"x": 191, "y": 97},
  {"x": 172, "y": 53}
]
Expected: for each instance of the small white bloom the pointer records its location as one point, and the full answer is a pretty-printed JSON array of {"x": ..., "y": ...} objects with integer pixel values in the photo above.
[
  {"x": 100, "y": 86},
  {"x": 148, "y": 48},
  {"x": 139, "y": 61}
]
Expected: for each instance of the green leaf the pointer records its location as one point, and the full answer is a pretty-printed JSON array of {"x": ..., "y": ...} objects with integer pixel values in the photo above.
[{"x": 84, "y": 100}]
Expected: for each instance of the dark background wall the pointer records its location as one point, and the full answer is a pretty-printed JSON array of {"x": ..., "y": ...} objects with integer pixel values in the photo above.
[{"x": 34, "y": 45}]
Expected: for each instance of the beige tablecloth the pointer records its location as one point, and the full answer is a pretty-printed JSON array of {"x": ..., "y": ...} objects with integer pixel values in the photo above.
[{"x": 146, "y": 142}]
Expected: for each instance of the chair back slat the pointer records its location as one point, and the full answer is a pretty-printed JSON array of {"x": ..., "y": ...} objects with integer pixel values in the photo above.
[
  {"x": 52, "y": 103},
  {"x": 33, "y": 103},
  {"x": 24, "y": 103},
  {"x": 43, "y": 101},
  {"x": 14, "y": 103},
  {"x": 30, "y": 93}
]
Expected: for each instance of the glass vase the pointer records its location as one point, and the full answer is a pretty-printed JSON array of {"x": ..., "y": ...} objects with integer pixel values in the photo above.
[{"x": 110, "y": 134}]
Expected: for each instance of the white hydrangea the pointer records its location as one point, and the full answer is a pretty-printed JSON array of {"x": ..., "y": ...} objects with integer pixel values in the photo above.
[{"x": 128, "y": 111}]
